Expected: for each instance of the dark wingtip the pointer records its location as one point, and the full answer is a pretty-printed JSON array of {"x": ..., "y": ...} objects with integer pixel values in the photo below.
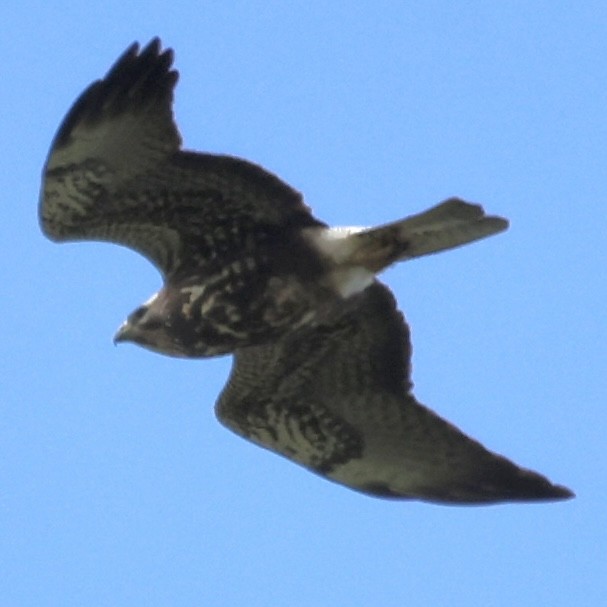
[
  {"x": 529, "y": 486},
  {"x": 560, "y": 492},
  {"x": 135, "y": 75},
  {"x": 532, "y": 486},
  {"x": 522, "y": 486}
]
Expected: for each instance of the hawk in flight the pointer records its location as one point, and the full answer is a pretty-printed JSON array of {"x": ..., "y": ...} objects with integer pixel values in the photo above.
[{"x": 321, "y": 368}]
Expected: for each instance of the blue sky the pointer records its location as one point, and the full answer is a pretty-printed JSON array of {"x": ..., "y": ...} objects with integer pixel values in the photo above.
[{"x": 117, "y": 485}]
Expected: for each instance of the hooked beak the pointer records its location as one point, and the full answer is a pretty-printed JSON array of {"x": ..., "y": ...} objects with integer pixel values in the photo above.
[{"x": 123, "y": 333}]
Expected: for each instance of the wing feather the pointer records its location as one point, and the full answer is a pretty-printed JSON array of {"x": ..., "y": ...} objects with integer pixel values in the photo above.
[
  {"x": 115, "y": 172},
  {"x": 357, "y": 373}
]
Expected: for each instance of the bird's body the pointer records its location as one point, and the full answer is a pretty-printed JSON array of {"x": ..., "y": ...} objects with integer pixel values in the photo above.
[{"x": 321, "y": 354}]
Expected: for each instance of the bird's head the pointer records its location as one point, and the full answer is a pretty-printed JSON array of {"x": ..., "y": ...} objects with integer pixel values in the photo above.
[
  {"x": 169, "y": 324},
  {"x": 150, "y": 326}
]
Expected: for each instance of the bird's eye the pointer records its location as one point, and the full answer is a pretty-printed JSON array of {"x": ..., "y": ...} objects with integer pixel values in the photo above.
[{"x": 138, "y": 313}]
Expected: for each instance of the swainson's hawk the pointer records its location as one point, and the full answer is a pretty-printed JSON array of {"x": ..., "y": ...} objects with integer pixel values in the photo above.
[{"x": 321, "y": 369}]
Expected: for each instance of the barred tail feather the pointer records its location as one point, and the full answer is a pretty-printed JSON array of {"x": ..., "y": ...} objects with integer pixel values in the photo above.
[{"x": 450, "y": 224}]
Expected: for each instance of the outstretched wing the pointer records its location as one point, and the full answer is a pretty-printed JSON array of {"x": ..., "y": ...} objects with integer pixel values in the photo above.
[
  {"x": 338, "y": 400},
  {"x": 115, "y": 172}
]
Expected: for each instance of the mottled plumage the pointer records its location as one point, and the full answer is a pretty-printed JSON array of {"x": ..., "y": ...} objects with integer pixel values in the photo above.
[{"x": 321, "y": 368}]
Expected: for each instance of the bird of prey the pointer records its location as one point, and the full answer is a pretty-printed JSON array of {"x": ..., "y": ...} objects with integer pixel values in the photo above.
[{"x": 321, "y": 367}]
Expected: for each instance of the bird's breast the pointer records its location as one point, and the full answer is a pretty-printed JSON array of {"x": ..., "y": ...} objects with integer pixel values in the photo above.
[{"x": 243, "y": 304}]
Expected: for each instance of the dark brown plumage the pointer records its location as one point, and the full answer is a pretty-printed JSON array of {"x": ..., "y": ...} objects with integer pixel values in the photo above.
[{"x": 321, "y": 354}]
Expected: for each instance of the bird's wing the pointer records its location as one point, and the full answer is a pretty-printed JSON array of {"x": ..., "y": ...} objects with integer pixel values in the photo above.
[
  {"x": 115, "y": 172},
  {"x": 338, "y": 400}
]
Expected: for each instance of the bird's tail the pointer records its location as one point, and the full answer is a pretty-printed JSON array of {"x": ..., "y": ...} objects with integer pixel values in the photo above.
[
  {"x": 450, "y": 224},
  {"x": 358, "y": 254}
]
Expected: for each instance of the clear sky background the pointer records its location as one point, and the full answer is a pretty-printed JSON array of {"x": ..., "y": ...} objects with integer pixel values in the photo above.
[{"x": 117, "y": 485}]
